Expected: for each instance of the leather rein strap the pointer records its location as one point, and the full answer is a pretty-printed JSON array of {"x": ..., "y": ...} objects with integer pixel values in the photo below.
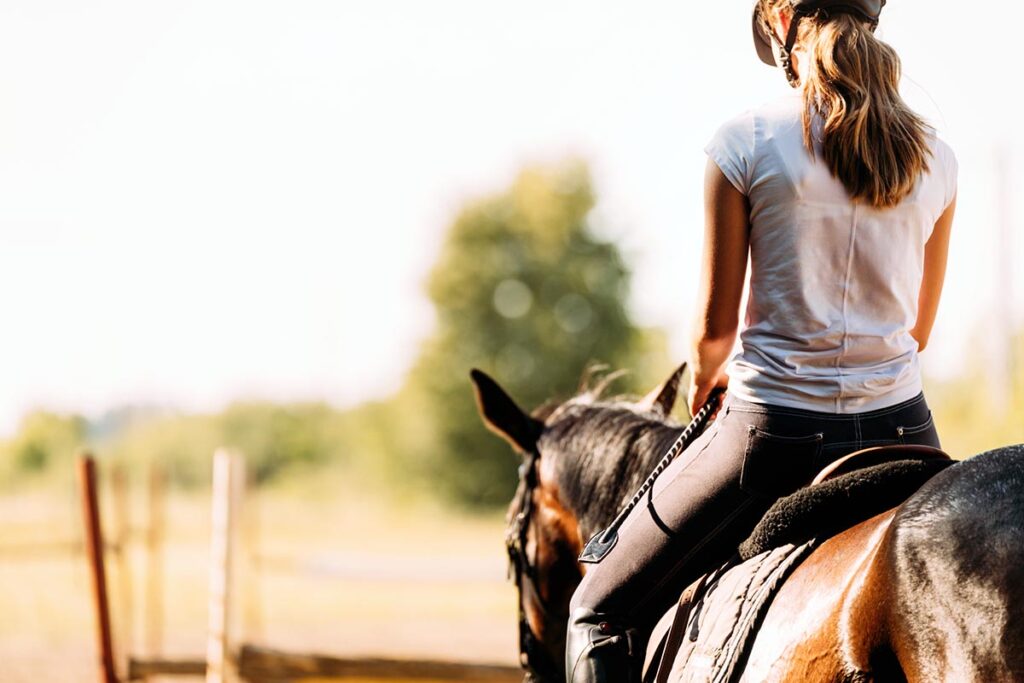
[{"x": 532, "y": 658}]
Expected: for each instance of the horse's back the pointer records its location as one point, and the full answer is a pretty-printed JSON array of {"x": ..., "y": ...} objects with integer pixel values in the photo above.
[
  {"x": 955, "y": 552},
  {"x": 931, "y": 591}
]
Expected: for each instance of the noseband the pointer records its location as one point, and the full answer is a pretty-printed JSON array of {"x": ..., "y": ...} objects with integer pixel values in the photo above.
[{"x": 534, "y": 659}]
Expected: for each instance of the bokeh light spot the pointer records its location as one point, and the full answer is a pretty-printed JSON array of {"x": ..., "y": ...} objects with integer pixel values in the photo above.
[{"x": 512, "y": 298}]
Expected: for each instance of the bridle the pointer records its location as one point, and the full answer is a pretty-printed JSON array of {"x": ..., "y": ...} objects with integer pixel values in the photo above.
[{"x": 534, "y": 659}]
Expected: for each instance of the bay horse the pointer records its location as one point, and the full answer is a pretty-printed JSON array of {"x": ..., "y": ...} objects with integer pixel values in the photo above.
[{"x": 932, "y": 590}]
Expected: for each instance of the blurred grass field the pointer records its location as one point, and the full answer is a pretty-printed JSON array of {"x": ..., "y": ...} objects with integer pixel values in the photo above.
[
  {"x": 321, "y": 569},
  {"x": 332, "y": 560}
]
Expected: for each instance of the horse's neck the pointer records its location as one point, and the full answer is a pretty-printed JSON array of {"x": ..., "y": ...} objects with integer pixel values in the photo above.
[{"x": 623, "y": 474}]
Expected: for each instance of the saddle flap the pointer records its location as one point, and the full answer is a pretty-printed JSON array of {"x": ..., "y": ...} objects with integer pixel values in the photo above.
[{"x": 717, "y": 622}]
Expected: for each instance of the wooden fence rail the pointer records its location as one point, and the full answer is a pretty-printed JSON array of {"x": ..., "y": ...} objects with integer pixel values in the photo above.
[
  {"x": 264, "y": 664},
  {"x": 271, "y": 666}
]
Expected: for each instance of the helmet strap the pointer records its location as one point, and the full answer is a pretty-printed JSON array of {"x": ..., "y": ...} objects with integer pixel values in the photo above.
[{"x": 786, "y": 50}]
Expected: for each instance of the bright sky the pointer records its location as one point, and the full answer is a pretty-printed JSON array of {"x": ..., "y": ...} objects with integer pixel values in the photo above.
[{"x": 201, "y": 201}]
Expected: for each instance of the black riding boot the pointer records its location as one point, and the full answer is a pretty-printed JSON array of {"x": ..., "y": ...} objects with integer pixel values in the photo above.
[{"x": 597, "y": 650}]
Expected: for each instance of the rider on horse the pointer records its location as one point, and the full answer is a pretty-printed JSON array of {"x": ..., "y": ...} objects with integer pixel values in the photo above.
[{"x": 843, "y": 198}]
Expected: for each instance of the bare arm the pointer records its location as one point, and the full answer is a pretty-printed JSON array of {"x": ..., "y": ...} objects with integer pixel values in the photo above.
[
  {"x": 935, "y": 253},
  {"x": 723, "y": 267}
]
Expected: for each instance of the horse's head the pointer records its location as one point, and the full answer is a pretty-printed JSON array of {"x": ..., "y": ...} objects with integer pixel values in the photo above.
[{"x": 581, "y": 460}]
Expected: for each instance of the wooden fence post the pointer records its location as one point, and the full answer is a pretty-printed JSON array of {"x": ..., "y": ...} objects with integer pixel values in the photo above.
[
  {"x": 228, "y": 484},
  {"x": 155, "y": 562},
  {"x": 97, "y": 570},
  {"x": 251, "y": 571},
  {"x": 122, "y": 530}
]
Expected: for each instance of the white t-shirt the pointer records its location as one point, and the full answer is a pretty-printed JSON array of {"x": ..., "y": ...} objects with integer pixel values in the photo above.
[{"x": 833, "y": 284}]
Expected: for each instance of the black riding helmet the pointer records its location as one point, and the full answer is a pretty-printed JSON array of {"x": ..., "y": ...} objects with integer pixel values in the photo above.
[{"x": 868, "y": 10}]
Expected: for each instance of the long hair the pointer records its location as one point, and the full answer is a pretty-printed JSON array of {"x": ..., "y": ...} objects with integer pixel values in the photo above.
[{"x": 872, "y": 142}]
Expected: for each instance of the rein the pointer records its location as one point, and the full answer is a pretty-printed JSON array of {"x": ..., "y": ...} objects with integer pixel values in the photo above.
[{"x": 532, "y": 657}]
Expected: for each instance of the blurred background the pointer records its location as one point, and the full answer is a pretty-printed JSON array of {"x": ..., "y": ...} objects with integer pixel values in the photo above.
[{"x": 292, "y": 228}]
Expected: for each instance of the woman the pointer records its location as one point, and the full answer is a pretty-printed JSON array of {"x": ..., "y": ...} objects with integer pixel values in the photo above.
[{"x": 844, "y": 198}]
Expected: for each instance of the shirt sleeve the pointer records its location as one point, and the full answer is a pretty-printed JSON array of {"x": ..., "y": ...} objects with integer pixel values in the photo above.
[{"x": 732, "y": 149}]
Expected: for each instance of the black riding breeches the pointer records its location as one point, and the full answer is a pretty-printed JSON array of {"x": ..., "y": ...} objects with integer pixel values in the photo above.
[{"x": 703, "y": 505}]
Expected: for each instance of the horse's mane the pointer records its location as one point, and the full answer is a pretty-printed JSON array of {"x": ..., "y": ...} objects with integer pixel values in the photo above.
[{"x": 602, "y": 449}]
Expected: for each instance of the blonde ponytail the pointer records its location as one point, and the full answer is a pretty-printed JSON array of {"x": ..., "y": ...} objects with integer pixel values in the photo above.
[{"x": 871, "y": 140}]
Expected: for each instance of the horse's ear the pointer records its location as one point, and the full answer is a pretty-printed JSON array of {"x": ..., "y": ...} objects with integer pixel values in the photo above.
[
  {"x": 501, "y": 414},
  {"x": 663, "y": 397}
]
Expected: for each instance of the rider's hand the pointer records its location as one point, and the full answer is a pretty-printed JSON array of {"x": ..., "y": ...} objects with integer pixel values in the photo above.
[{"x": 700, "y": 389}]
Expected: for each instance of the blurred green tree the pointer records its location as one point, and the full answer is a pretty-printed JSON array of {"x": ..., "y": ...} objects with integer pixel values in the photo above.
[
  {"x": 43, "y": 439},
  {"x": 276, "y": 439},
  {"x": 525, "y": 290}
]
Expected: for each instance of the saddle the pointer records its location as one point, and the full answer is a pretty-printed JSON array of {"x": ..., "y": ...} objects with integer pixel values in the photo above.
[
  {"x": 708, "y": 634},
  {"x": 875, "y": 456}
]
